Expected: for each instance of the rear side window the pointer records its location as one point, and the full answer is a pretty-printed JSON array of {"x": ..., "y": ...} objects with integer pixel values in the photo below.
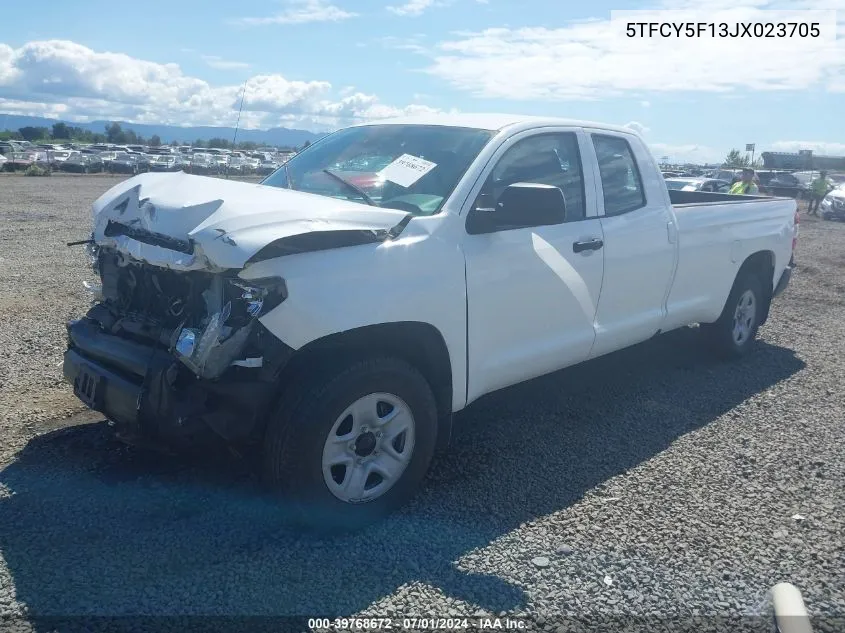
[{"x": 621, "y": 183}]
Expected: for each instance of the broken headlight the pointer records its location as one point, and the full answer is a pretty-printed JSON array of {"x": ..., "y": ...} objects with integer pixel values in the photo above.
[
  {"x": 261, "y": 295},
  {"x": 93, "y": 252},
  {"x": 95, "y": 288}
]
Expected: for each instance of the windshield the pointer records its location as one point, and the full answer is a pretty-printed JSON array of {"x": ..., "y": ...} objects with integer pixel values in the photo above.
[{"x": 413, "y": 168}]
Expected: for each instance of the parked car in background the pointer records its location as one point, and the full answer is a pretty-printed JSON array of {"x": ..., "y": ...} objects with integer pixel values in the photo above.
[
  {"x": 724, "y": 174},
  {"x": 55, "y": 158},
  {"x": 699, "y": 184},
  {"x": 833, "y": 205},
  {"x": 123, "y": 163},
  {"x": 202, "y": 164},
  {"x": 779, "y": 183},
  {"x": 166, "y": 162},
  {"x": 17, "y": 161},
  {"x": 238, "y": 166},
  {"x": 267, "y": 167},
  {"x": 80, "y": 163},
  {"x": 10, "y": 147}
]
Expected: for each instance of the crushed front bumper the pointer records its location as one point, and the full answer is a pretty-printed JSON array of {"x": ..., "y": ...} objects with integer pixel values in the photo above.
[{"x": 150, "y": 396}]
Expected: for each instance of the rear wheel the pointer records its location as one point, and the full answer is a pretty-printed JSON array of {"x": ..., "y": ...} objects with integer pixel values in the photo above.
[
  {"x": 351, "y": 444},
  {"x": 734, "y": 334}
]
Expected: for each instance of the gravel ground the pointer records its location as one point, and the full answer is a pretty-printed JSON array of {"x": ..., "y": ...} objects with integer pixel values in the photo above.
[{"x": 653, "y": 488}]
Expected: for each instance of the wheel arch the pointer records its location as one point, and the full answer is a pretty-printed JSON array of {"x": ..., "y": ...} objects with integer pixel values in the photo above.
[
  {"x": 418, "y": 343},
  {"x": 762, "y": 265}
]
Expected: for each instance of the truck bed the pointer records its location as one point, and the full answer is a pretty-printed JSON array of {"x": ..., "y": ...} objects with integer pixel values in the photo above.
[
  {"x": 714, "y": 230},
  {"x": 680, "y": 198}
]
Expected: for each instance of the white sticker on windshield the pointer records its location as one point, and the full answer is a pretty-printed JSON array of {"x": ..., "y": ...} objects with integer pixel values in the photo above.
[{"x": 406, "y": 170}]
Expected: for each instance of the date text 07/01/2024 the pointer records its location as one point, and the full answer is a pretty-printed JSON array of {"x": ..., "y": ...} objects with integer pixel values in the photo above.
[{"x": 320, "y": 625}]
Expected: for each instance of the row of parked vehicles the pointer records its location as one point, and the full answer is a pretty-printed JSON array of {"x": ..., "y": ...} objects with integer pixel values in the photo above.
[
  {"x": 136, "y": 159},
  {"x": 771, "y": 182}
]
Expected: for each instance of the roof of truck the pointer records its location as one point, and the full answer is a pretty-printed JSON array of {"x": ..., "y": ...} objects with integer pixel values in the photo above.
[{"x": 485, "y": 121}]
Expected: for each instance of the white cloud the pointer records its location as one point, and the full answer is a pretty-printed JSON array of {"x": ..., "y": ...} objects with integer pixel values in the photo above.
[
  {"x": 218, "y": 63},
  {"x": 594, "y": 59},
  {"x": 645, "y": 104},
  {"x": 412, "y": 7},
  {"x": 62, "y": 78},
  {"x": 301, "y": 12}
]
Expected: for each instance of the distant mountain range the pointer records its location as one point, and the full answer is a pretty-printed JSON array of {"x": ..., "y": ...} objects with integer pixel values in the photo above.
[{"x": 278, "y": 136}]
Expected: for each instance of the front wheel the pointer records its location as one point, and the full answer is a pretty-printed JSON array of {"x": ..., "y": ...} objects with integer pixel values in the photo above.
[
  {"x": 734, "y": 334},
  {"x": 352, "y": 443}
]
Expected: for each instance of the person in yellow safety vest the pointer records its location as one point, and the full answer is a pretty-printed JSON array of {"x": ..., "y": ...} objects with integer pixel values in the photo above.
[
  {"x": 819, "y": 188},
  {"x": 745, "y": 185}
]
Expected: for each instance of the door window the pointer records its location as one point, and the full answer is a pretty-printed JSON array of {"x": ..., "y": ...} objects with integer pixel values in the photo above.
[
  {"x": 549, "y": 159},
  {"x": 621, "y": 183}
]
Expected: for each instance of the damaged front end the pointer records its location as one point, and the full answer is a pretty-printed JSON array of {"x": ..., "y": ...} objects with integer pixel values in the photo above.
[{"x": 168, "y": 354}]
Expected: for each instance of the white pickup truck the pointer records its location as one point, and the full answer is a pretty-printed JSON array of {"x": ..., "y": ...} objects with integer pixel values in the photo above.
[{"x": 336, "y": 315}]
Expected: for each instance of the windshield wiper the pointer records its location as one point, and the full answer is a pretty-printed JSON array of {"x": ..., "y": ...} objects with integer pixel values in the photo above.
[{"x": 354, "y": 188}]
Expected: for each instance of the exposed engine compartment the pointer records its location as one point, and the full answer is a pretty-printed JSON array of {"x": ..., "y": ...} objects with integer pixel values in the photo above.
[
  {"x": 205, "y": 319},
  {"x": 182, "y": 351}
]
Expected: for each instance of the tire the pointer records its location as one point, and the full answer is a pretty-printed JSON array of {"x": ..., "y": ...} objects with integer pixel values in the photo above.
[
  {"x": 298, "y": 456},
  {"x": 730, "y": 341}
]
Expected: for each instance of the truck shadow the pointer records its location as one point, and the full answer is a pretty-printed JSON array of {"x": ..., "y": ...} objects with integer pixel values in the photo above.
[{"x": 88, "y": 527}]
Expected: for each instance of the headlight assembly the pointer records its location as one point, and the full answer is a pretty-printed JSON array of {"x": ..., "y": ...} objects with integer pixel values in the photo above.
[{"x": 261, "y": 295}]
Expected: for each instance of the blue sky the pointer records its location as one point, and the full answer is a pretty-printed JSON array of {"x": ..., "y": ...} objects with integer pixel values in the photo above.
[{"x": 321, "y": 64}]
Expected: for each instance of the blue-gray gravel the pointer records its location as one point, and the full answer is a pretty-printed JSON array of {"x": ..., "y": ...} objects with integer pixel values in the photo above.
[{"x": 656, "y": 483}]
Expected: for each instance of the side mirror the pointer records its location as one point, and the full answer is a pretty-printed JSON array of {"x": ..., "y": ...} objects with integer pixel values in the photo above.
[{"x": 521, "y": 205}]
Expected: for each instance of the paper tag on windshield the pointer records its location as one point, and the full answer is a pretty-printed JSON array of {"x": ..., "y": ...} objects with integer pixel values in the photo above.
[{"x": 406, "y": 170}]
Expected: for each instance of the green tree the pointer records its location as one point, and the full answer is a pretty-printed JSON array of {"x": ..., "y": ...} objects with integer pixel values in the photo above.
[
  {"x": 60, "y": 131},
  {"x": 736, "y": 159},
  {"x": 114, "y": 133},
  {"x": 9, "y": 135},
  {"x": 30, "y": 133},
  {"x": 248, "y": 145},
  {"x": 305, "y": 145},
  {"x": 155, "y": 140},
  {"x": 220, "y": 143}
]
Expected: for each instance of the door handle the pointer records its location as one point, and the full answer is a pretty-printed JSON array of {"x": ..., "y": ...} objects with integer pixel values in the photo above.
[{"x": 587, "y": 245}]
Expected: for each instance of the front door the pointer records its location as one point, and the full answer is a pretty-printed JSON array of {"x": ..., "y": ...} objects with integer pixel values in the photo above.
[{"x": 532, "y": 292}]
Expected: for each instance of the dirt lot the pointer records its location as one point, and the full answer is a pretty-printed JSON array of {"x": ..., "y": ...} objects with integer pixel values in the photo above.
[{"x": 653, "y": 483}]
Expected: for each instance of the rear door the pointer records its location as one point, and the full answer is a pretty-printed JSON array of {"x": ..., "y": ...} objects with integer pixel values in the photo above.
[
  {"x": 532, "y": 292},
  {"x": 639, "y": 242}
]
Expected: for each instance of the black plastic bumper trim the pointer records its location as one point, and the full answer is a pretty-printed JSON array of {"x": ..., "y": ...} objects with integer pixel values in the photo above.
[
  {"x": 119, "y": 398},
  {"x": 113, "y": 351}
]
